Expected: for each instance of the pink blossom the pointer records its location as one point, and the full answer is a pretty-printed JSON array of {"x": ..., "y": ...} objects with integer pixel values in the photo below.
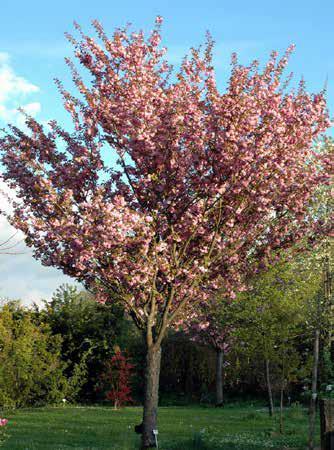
[{"x": 3, "y": 422}]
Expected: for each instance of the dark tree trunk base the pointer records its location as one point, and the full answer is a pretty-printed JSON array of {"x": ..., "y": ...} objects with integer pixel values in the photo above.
[
  {"x": 220, "y": 405},
  {"x": 148, "y": 446},
  {"x": 139, "y": 428}
]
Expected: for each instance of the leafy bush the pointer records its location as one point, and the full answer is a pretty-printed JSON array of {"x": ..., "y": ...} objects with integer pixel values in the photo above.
[
  {"x": 89, "y": 331},
  {"x": 31, "y": 372}
]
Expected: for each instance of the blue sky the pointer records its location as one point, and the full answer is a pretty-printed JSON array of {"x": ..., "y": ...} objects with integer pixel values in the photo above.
[
  {"x": 32, "y": 34},
  {"x": 32, "y": 48}
]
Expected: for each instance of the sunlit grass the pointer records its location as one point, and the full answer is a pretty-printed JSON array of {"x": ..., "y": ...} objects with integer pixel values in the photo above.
[{"x": 231, "y": 428}]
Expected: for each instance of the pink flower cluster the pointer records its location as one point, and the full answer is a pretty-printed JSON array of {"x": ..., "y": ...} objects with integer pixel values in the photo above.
[
  {"x": 206, "y": 326},
  {"x": 3, "y": 422}
]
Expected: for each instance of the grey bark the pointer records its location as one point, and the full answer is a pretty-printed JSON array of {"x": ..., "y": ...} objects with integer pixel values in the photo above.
[
  {"x": 219, "y": 378},
  {"x": 152, "y": 374},
  {"x": 269, "y": 389}
]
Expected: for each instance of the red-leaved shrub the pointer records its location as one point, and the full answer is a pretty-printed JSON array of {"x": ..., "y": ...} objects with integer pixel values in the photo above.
[{"x": 116, "y": 379}]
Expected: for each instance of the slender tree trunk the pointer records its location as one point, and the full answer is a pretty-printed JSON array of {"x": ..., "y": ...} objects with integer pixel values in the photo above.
[
  {"x": 283, "y": 385},
  {"x": 313, "y": 403},
  {"x": 219, "y": 378},
  {"x": 281, "y": 418},
  {"x": 270, "y": 393},
  {"x": 153, "y": 361}
]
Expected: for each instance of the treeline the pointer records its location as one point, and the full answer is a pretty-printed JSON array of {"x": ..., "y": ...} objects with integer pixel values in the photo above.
[{"x": 58, "y": 353}]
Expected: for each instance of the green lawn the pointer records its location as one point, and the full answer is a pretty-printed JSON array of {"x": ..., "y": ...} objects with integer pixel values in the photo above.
[{"x": 231, "y": 428}]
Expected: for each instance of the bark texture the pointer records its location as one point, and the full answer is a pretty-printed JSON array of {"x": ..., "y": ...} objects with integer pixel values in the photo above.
[
  {"x": 153, "y": 361},
  {"x": 270, "y": 392},
  {"x": 219, "y": 378},
  {"x": 313, "y": 403},
  {"x": 327, "y": 424}
]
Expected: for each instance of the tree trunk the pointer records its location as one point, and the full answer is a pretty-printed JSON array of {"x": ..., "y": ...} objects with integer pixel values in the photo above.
[
  {"x": 270, "y": 393},
  {"x": 153, "y": 360},
  {"x": 313, "y": 403},
  {"x": 281, "y": 417},
  {"x": 219, "y": 378},
  {"x": 327, "y": 424},
  {"x": 281, "y": 408}
]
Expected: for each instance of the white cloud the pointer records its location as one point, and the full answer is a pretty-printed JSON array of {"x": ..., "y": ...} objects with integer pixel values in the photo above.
[
  {"x": 21, "y": 276},
  {"x": 14, "y": 91}
]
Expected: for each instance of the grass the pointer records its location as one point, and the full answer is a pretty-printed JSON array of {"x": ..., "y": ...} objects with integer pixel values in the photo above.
[{"x": 189, "y": 428}]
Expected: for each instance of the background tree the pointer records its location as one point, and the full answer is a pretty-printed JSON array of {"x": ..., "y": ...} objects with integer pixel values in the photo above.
[
  {"x": 207, "y": 186},
  {"x": 116, "y": 379},
  {"x": 31, "y": 371},
  {"x": 271, "y": 319},
  {"x": 321, "y": 324},
  {"x": 210, "y": 329},
  {"x": 89, "y": 332},
  {"x": 187, "y": 371}
]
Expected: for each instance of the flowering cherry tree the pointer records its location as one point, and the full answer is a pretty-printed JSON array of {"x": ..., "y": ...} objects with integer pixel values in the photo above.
[{"x": 166, "y": 189}]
